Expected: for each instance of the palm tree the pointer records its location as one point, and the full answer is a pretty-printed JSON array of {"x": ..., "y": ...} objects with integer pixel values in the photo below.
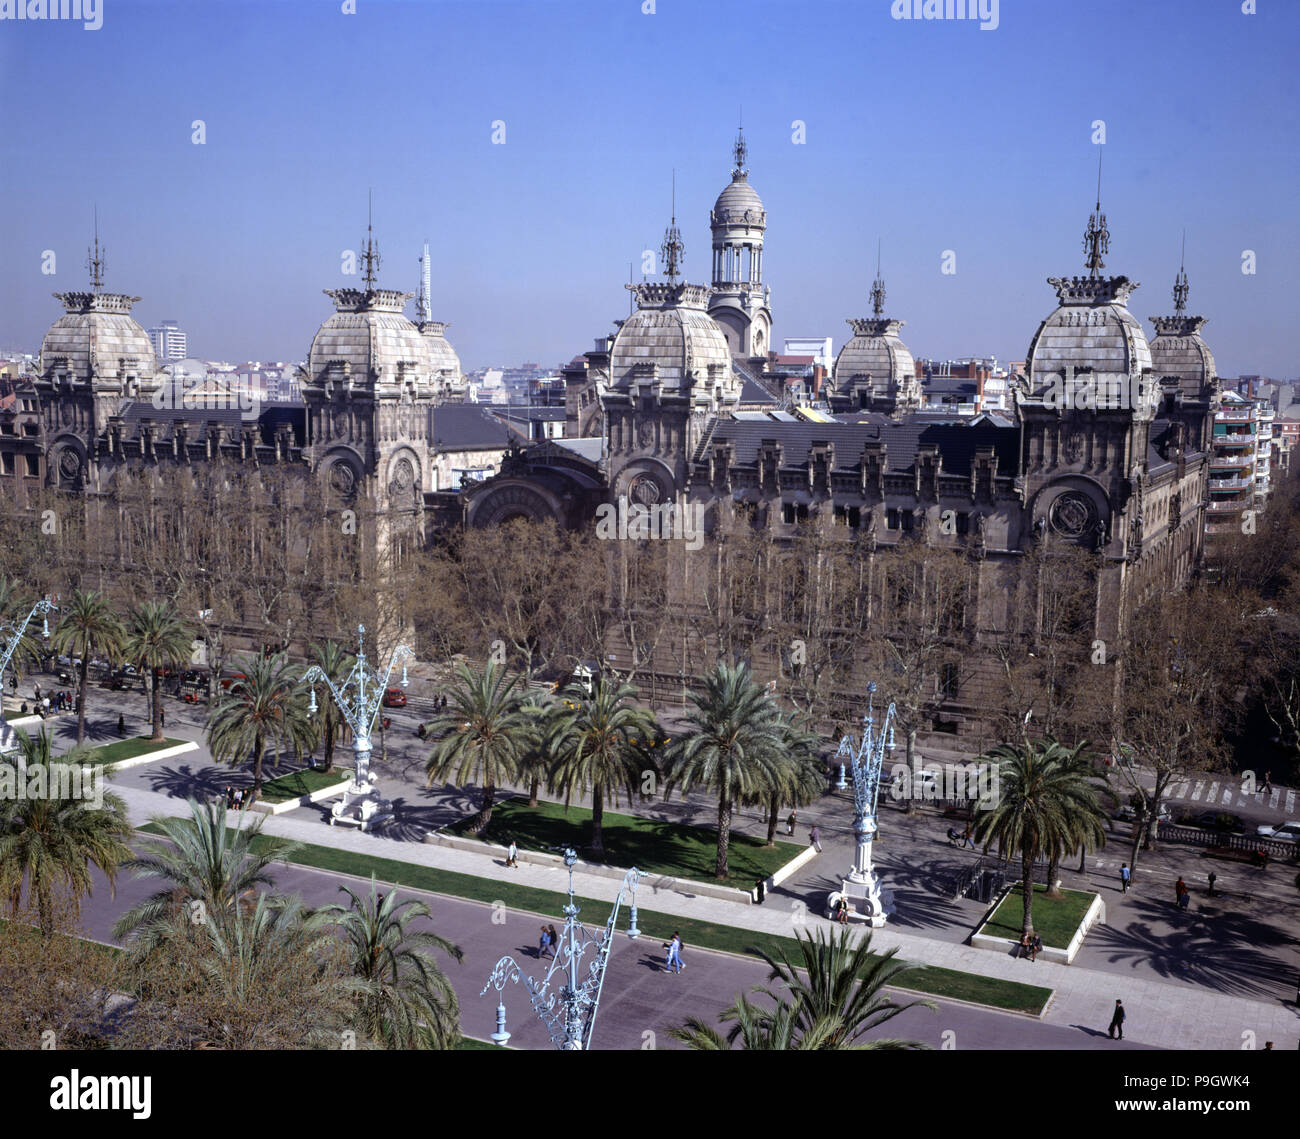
[
  {"x": 1084, "y": 821},
  {"x": 797, "y": 777},
  {"x": 55, "y": 836},
  {"x": 200, "y": 859},
  {"x": 1043, "y": 803},
  {"x": 831, "y": 997},
  {"x": 268, "y": 706},
  {"x": 157, "y": 638},
  {"x": 731, "y": 748},
  {"x": 405, "y": 1000},
  {"x": 486, "y": 734},
  {"x": 597, "y": 745},
  {"x": 265, "y": 975},
  {"x": 88, "y": 626},
  {"x": 335, "y": 662}
]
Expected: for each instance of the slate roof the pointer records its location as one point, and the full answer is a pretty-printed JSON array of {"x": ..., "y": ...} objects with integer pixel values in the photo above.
[
  {"x": 466, "y": 427},
  {"x": 957, "y": 443}
]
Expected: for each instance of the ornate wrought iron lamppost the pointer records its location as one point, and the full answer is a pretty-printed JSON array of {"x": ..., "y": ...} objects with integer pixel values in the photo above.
[
  {"x": 866, "y": 758},
  {"x": 15, "y": 636},
  {"x": 359, "y": 698},
  {"x": 569, "y": 1013}
]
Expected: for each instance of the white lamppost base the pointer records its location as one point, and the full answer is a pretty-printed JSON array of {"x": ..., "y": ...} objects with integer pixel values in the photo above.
[
  {"x": 872, "y": 904},
  {"x": 362, "y": 806}
]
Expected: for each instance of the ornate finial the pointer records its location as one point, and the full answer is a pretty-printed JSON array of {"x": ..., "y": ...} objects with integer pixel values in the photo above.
[
  {"x": 1096, "y": 240},
  {"x": 878, "y": 286},
  {"x": 370, "y": 258},
  {"x": 95, "y": 260},
  {"x": 1180, "y": 282},
  {"x": 740, "y": 152},
  {"x": 672, "y": 250},
  {"x": 422, "y": 305}
]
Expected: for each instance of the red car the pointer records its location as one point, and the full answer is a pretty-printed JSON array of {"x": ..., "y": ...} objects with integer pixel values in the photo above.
[{"x": 394, "y": 698}]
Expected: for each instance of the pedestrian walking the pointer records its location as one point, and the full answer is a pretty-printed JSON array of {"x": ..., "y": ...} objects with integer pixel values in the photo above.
[
  {"x": 1125, "y": 875},
  {"x": 1117, "y": 1021},
  {"x": 1268, "y": 783},
  {"x": 544, "y": 942},
  {"x": 789, "y": 823},
  {"x": 1212, "y": 878},
  {"x": 968, "y": 838},
  {"x": 512, "y": 855},
  {"x": 121, "y": 724},
  {"x": 162, "y": 717},
  {"x": 815, "y": 837},
  {"x": 673, "y": 960},
  {"x": 1180, "y": 888},
  {"x": 555, "y": 939}
]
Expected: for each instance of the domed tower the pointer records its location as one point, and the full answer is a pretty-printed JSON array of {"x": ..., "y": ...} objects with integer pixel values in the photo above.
[
  {"x": 93, "y": 359},
  {"x": 670, "y": 370},
  {"x": 369, "y": 385},
  {"x": 1087, "y": 414},
  {"x": 1184, "y": 367},
  {"x": 739, "y": 302},
  {"x": 874, "y": 370}
]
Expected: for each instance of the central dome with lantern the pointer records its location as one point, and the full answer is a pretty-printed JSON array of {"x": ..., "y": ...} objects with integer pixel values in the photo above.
[{"x": 670, "y": 342}]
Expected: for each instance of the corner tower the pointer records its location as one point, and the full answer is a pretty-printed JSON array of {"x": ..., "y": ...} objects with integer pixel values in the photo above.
[{"x": 739, "y": 302}]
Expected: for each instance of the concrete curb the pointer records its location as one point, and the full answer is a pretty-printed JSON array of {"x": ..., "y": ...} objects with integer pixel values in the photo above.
[
  {"x": 149, "y": 757},
  {"x": 302, "y": 800}
]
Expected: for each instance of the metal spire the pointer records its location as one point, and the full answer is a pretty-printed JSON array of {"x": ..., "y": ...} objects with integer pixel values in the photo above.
[
  {"x": 1180, "y": 282},
  {"x": 1096, "y": 239},
  {"x": 739, "y": 150},
  {"x": 672, "y": 250},
  {"x": 95, "y": 260},
  {"x": 422, "y": 305},
  {"x": 878, "y": 286},
  {"x": 370, "y": 257}
]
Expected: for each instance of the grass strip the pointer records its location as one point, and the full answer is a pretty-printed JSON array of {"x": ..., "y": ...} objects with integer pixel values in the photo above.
[
  {"x": 299, "y": 783},
  {"x": 928, "y": 979},
  {"x": 1056, "y": 920},
  {"x": 127, "y": 749},
  {"x": 655, "y": 846}
]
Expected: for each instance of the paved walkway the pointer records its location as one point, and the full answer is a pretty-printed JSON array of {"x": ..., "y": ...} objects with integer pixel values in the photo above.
[{"x": 1165, "y": 1014}]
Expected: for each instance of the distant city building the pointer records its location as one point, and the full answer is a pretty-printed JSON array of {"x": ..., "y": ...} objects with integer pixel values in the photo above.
[
  {"x": 820, "y": 348},
  {"x": 169, "y": 342}
]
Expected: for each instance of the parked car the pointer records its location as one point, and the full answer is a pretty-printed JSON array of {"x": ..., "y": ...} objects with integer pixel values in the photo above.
[
  {"x": 229, "y": 678},
  {"x": 1280, "y": 832},
  {"x": 195, "y": 676},
  {"x": 1215, "y": 821},
  {"x": 394, "y": 698}
]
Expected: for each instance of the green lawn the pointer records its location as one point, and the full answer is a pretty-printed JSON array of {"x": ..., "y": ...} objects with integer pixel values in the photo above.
[
  {"x": 655, "y": 927},
  {"x": 651, "y": 845},
  {"x": 17, "y": 715},
  {"x": 127, "y": 749},
  {"x": 298, "y": 783},
  {"x": 1055, "y": 920}
]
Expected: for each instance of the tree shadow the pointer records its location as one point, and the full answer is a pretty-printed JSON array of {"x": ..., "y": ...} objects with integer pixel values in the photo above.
[{"x": 1220, "y": 951}]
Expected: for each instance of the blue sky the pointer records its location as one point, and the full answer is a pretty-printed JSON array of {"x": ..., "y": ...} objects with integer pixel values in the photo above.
[{"x": 931, "y": 135}]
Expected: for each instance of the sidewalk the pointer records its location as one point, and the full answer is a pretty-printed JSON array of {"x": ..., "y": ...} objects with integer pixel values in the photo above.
[{"x": 1162, "y": 1014}]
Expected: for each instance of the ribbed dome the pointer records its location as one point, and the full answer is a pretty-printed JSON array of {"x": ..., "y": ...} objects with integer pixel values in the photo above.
[
  {"x": 442, "y": 356},
  {"x": 1178, "y": 352},
  {"x": 875, "y": 350},
  {"x": 98, "y": 339},
  {"x": 738, "y": 204},
  {"x": 370, "y": 339},
  {"x": 1092, "y": 329},
  {"x": 672, "y": 333}
]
